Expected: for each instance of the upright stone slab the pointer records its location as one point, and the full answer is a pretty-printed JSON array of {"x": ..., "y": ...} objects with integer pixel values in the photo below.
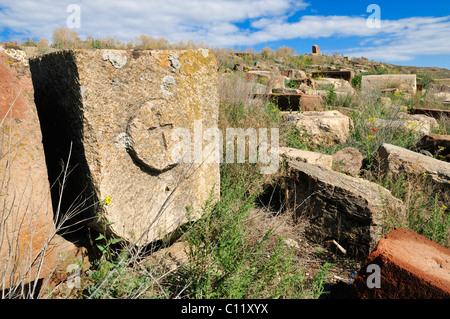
[{"x": 123, "y": 112}]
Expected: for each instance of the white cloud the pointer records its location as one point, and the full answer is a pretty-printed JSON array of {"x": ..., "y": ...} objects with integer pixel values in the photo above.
[
  {"x": 405, "y": 39},
  {"x": 216, "y": 23}
]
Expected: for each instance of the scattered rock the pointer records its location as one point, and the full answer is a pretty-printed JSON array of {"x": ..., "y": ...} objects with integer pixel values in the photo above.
[
  {"x": 409, "y": 265},
  {"x": 349, "y": 210},
  {"x": 293, "y": 154},
  {"x": 402, "y": 82},
  {"x": 274, "y": 79},
  {"x": 294, "y": 74},
  {"x": 348, "y": 160},
  {"x": 339, "y": 85},
  {"x": 322, "y": 128},
  {"x": 397, "y": 160},
  {"x": 123, "y": 141},
  {"x": 419, "y": 124},
  {"x": 169, "y": 258}
]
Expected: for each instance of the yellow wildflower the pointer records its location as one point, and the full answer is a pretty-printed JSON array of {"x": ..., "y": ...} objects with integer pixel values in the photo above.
[{"x": 107, "y": 200}]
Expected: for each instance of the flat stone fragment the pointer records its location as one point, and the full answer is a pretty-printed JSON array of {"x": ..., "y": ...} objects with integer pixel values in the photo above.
[
  {"x": 123, "y": 111},
  {"x": 293, "y": 154},
  {"x": 410, "y": 266}
]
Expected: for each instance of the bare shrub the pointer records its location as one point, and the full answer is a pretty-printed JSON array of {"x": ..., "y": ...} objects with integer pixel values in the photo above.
[{"x": 65, "y": 38}]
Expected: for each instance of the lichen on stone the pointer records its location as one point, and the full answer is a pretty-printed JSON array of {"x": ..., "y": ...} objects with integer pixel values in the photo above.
[
  {"x": 175, "y": 63},
  {"x": 118, "y": 59},
  {"x": 168, "y": 81}
]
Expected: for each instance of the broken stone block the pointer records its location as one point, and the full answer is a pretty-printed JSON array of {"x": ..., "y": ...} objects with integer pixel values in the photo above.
[
  {"x": 352, "y": 211},
  {"x": 418, "y": 124},
  {"x": 321, "y": 128},
  {"x": 123, "y": 112},
  {"x": 293, "y": 154},
  {"x": 402, "y": 82},
  {"x": 340, "y": 86},
  {"x": 396, "y": 160},
  {"x": 405, "y": 265}
]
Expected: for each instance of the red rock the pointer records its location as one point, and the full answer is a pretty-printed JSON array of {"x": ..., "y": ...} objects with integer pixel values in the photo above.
[
  {"x": 26, "y": 216},
  {"x": 411, "y": 267}
]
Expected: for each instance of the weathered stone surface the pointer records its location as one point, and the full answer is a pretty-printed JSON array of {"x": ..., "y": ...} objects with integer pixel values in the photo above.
[
  {"x": 123, "y": 115},
  {"x": 310, "y": 102},
  {"x": 348, "y": 160},
  {"x": 321, "y": 128},
  {"x": 411, "y": 267},
  {"x": 438, "y": 145},
  {"x": 397, "y": 160},
  {"x": 420, "y": 124},
  {"x": 274, "y": 79},
  {"x": 293, "y": 154},
  {"x": 26, "y": 217},
  {"x": 341, "y": 87},
  {"x": 403, "y": 82},
  {"x": 349, "y": 210},
  {"x": 293, "y": 73}
]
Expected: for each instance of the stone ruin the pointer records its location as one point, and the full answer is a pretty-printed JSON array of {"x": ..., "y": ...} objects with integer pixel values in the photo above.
[
  {"x": 119, "y": 111},
  {"x": 316, "y": 50},
  {"x": 116, "y": 113}
]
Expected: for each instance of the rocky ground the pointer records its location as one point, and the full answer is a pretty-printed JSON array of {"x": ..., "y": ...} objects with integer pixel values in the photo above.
[{"x": 331, "y": 183}]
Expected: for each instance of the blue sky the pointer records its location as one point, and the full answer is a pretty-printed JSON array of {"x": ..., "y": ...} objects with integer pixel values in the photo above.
[{"x": 410, "y": 32}]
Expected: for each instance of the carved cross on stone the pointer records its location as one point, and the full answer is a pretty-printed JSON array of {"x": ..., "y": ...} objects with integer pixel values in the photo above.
[{"x": 149, "y": 130}]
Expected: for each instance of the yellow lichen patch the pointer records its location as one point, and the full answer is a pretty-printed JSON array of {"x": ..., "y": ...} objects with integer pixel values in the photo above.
[
  {"x": 192, "y": 60},
  {"x": 163, "y": 59}
]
